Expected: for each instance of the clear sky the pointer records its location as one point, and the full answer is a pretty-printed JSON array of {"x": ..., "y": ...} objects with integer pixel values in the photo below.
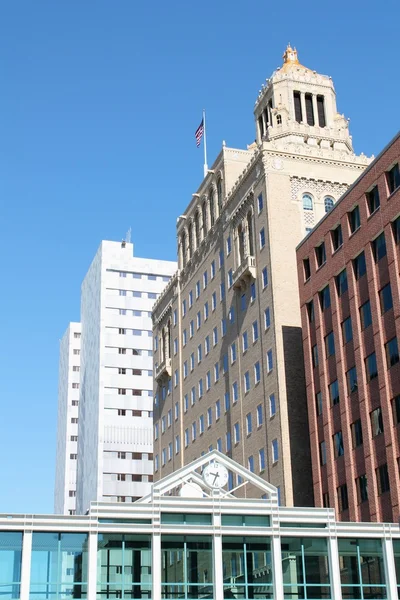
[{"x": 99, "y": 103}]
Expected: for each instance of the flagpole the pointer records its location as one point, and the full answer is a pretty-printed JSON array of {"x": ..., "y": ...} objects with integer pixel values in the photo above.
[{"x": 205, "y": 144}]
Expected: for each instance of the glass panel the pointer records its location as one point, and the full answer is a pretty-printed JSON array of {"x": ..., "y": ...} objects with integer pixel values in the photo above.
[
  {"x": 123, "y": 566},
  {"x": 59, "y": 565},
  {"x": 305, "y": 568},
  {"x": 361, "y": 564},
  {"x": 10, "y": 564},
  {"x": 247, "y": 567},
  {"x": 187, "y": 567}
]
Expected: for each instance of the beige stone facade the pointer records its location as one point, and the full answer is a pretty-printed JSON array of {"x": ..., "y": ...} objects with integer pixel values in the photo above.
[{"x": 228, "y": 356}]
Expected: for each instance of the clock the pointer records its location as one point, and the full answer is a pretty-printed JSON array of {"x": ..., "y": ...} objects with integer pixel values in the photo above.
[{"x": 215, "y": 475}]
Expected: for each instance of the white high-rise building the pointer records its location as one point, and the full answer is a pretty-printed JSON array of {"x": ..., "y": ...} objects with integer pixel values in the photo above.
[
  {"x": 67, "y": 431},
  {"x": 115, "y": 446}
]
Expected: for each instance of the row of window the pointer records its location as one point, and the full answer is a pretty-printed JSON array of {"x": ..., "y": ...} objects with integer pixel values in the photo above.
[
  {"x": 134, "y": 351},
  {"x": 129, "y": 392},
  {"x": 371, "y": 371},
  {"x": 124, "y": 371},
  {"x": 386, "y": 304},
  {"x": 111, "y": 454},
  {"x": 166, "y": 390},
  {"x": 378, "y": 246},
  {"x": 143, "y": 276},
  {"x": 308, "y": 202},
  {"x": 205, "y": 217},
  {"x": 136, "y": 294},
  {"x": 126, "y": 331},
  {"x": 383, "y": 485},
  {"x": 167, "y": 453},
  {"x": 129, "y": 477},
  {"x": 124, "y": 412},
  {"x": 131, "y": 313},
  {"x": 166, "y": 420}
]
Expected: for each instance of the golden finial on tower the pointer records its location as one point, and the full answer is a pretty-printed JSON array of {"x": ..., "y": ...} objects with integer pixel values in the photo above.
[{"x": 290, "y": 55}]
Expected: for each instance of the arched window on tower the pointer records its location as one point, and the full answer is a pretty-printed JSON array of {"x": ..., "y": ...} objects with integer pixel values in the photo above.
[
  {"x": 307, "y": 202},
  {"x": 241, "y": 243},
  {"x": 204, "y": 218},
  {"x": 329, "y": 202},
  {"x": 212, "y": 207},
  {"x": 219, "y": 195},
  {"x": 250, "y": 233},
  {"x": 183, "y": 249},
  {"x": 190, "y": 244},
  {"x": 278, "y": 119},
  {"x": 197, "y": 228}
]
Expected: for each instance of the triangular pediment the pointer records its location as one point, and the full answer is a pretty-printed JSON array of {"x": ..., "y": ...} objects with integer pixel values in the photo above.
[{"x": 188, "y": 481}]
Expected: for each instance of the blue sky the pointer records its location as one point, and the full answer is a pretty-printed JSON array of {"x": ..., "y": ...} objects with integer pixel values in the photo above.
[{"x": 99, "y": 103}]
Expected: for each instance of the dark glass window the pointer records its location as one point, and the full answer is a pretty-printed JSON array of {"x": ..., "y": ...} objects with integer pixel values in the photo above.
[
  {"x": 325, "y": 500},
  {"x": 393, "y": 178},
  {"x": 325, "y": 298},
  {"x": 243, "y": 558},
  {"x": 322, "y": 453},
  {"x": 362, "y": 570},
  {"x": 392, "y": 352},
  {"x": 382, "y": 479},
  {"x": 328, "y": 204},
  {"x": 365, "y": 315},
  {"x": 330, "y": 344},
  {"x": 379, "y": 247},
  {"x": 321, "y": 111},
  {"x": 320, "y": 254},
  {"x": 343, "y": 499},
  {"x": 337, "y": 237},
  {"x": 309, "y": 109},
  {"x": 341, "y": 282},
  {"x": 354, "y": 219},
  {"x": 373, "y": 199},
  {"x": 347, "y": 330},
  {"x": 338, "y": 448},
  {"x": 396, "y": 409},
  {"x": 308, "y": 575},
  {"x": 376, "y": 421},
  {"x": 396, "y": 230},
  {"x": 360, "y": 267},
  {"x": 371, "y": 367},
  {"x": 318, "y": 403},
  {"x": 334, "y": 392},
  {"x": 362, "y": 488},
  {"x": 307, "y": 269},
  {"x": 297, "y": 107},
  {"x": 356, "y": 433},
  {"x": 351, "y": 377},
  {"x": 315, "y": 361},
  {"x": 310, "y": 311},
  {"x": 385, "y": 297}
]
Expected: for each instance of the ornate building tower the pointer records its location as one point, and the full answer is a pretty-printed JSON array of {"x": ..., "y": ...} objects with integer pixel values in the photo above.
[{"x": 235, "y": 378}]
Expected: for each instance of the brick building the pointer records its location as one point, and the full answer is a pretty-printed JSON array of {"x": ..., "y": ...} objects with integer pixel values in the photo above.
[
  {"x": 228, "y": 359},
  {"x": 348, "y": 269}
]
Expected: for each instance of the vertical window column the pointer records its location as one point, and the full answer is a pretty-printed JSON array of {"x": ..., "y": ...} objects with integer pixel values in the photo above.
[
  {"x": 303, "y": 107},
  {"x": 315, "y": 109}
]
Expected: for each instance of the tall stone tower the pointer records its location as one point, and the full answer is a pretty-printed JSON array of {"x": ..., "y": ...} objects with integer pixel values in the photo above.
[{"x": 231, "y": 375}]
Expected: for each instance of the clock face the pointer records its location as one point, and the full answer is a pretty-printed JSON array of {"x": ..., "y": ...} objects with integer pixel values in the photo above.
[{"x": 215, "y": 475}]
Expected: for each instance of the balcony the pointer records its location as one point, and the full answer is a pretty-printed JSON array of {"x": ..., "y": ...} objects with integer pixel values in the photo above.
[
  {"x": 245, "y": 272},
  {"x": 163, "y": 369}
]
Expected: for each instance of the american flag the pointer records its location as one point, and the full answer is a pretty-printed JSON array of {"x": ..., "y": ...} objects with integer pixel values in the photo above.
[{"x": 199, "y": 133}]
